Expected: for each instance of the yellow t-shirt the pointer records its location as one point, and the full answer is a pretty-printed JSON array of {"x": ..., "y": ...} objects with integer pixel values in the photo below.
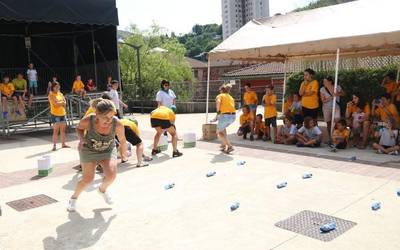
[
  {"x": 227, "y": 103},
  {"x": 310, "y": 102},
  {"x": 19, "y": 84},
  {"x": 286, "y": 106},
  {"x": 270, "y": 109},
  {"x": 390, "y": 87},
  {"x": 7, "y": 89},
  {"x": 163, "y": 113},
  {"x": 57, "y": 111},
  {"x": 250, "y": 98},
  {"x": 384, "y": 116},
  {"x": 90, "y": 111},
  {"x": 131, "y": 125},
  {"x": 260, "y": 125},
  {"x": 344, "y": 134},
  {"x": 353, "y": 108},
  {"x": 246, "y": 118},
  {"x": 78, "y": 85}
]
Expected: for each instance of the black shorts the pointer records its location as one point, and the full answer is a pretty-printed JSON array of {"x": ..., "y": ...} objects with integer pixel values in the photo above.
[
  {"x": 341, "y": 145},
  {"x": 18, "y": 94},
  {"x": 164, "y": 124},
  {"x": 131, "y": 136},
  {"x": 270, "y": 121},
  {"x": 313, "y": 113},
  {"x": 8, "y": 98}
]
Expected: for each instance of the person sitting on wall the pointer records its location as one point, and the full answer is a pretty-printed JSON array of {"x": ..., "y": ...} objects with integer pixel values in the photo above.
[
  {"x": 7, "y": 91},
  {"x": 78, "y": 87},
  {"x": 21, "y": 91},
  {"x": 91, "y": 86}
]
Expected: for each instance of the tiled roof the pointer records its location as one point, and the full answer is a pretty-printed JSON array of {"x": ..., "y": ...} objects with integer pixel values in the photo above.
[
  {"x": 258, "y": 70},
  {"x": 195, "y": 64}
]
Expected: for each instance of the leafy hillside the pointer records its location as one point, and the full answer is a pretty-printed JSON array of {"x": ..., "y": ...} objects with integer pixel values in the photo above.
[{"x": 321, "y": 3}]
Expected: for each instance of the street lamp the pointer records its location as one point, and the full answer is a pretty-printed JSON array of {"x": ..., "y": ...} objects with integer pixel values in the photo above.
[{"x": 137, "y": 48}]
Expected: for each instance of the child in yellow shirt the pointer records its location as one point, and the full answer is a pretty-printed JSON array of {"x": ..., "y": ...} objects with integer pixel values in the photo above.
[
  {"x": 259, "y": 127},
  {"x": 270, "y": 113},
  {"x": 78, "y": 87},
  {"x": 340, "y": 137},
  {"x": 246, "y": 123},
  {"x": 7, "y": 93}
]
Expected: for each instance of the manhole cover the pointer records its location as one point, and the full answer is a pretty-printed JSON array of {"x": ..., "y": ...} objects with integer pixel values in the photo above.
[
  {"x": 308, "y": 223},
  {"x": 31, "y": 202}
]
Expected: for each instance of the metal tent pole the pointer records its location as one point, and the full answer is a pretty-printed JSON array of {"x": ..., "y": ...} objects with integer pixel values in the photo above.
[
  {"x": 94, "y": 58},
  {"x": 334, "y": 90},
  {"x": 208, "y": 87},
  {"x": 284, "y": 87}
]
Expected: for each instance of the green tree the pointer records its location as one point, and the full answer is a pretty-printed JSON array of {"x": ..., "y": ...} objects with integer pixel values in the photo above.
[
  {"x": 155, "y": 66},
  {"x": 203, "y": 38}
]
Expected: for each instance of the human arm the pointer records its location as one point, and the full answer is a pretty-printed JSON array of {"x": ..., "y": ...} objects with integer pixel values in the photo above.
[
  {"x": 218, "y": 104},
  {"x": 348, "y": 111},
  {"x": 313, "y": 90},
  {"x": 120, "y": 132},
  {"x": 83, "y": 126}
]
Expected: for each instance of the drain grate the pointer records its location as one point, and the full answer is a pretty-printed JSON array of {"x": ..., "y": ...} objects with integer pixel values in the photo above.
[
  {"x": 308, "y": 223},
  {"x": 31, "y": 202}
]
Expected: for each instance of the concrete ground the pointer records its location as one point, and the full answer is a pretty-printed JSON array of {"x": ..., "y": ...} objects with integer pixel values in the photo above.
[{"x": 195, "y": 214}]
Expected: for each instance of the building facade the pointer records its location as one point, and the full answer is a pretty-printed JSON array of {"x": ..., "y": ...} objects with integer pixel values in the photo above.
[{"x": 236, "y": 13}]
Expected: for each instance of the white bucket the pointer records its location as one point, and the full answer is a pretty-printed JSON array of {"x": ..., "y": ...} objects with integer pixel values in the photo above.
[
  {"x": 189, "y": 140},
  {"x": 163, "y": 143},
  {"x": 44, "y": 165}
]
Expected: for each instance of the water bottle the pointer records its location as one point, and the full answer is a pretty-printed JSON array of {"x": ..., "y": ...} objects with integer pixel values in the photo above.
[
  {"x": 307, "y": 175},
  {"x": 235, "y": 206},
  {"x": 375, "y": 205},
  {"x": 169, "y": 186},
  {"x": 398, "y": 192},
  {"x": 353, "y": 158},
  {"x": 281, "y": 185},
  {"x": 209, "y": 174},
  {"x": 328, "y": 227},
  {"x": 241, "y": 163}
]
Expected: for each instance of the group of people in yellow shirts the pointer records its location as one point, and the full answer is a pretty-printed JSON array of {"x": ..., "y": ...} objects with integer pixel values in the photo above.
[
  {"x": 16, "y": 91},
  {"x": 376, "y": 126}
]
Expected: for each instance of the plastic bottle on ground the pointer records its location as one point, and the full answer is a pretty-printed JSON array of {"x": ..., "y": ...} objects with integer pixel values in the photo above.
[
  {"x": 376, "y": 205},
  {"x": 169, "y": 186},
  {"x": 235, "y": 206},
  {"x": 241, "y": 163},
  {"x": 212, "y": 173},
  {"x": 328, "y": 227},
  {"x": 307, "y": 175},
  {"x": 281, "y": 184}
]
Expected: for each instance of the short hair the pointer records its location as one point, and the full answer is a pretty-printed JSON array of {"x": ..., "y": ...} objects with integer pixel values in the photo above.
[
  {"x": 307, "y": 121},
  {"x": 329, "y": 78},
  {"x": 248, "y": 85},
  {"x": 342, "y": 122},
  {"x": 289, "y": 118},
  {"x": 270, "y": 86},
  {"x": 20, "y": 74},
  {"x": 105, "y": 95},
  {"x": 246, "y": 107},
  {"x": 310, "y": 71},
  {"x": 259, "y": 115},
  {"x": 114, "y": 82},
  {"x": 104, "y": 107}
]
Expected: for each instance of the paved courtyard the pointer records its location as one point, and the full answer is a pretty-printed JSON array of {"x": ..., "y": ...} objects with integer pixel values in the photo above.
[{"x": 196, "y": 214}]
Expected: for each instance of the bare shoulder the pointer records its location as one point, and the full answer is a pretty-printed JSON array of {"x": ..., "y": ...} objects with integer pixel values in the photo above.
[{"x": 84, "y": 122}]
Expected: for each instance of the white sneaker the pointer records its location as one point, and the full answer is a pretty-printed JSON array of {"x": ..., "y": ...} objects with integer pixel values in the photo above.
[
  {"x": 394, "y": 152},
  {"x": 106, "y": 196},
  {"x": 71, "y": 205}
]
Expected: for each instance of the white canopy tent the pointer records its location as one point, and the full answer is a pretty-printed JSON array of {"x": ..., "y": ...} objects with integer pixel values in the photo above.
[{"x": 355, "y": 29}]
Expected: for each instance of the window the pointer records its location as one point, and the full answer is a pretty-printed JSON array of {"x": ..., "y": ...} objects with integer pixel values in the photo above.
[{"x": 196, "y": 73}]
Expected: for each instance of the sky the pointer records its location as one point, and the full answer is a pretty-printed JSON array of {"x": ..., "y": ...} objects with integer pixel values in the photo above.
[{"x": 180, "y": 15}]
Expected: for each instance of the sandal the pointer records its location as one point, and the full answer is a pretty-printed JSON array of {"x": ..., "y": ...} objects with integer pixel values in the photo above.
[
  {"x": 229, "y": 150},
  {"x": 54, "y": 148},
  {"x": 65, "y": 146}
]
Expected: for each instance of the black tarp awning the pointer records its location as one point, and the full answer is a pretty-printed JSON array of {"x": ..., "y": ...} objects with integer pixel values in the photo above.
[{"x": 93, "y": 12}]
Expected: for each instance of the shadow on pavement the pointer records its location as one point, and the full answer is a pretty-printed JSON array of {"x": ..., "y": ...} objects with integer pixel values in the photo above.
[
  {"x": 221, "y": 157},
  {"x": 79, "y": 232}
]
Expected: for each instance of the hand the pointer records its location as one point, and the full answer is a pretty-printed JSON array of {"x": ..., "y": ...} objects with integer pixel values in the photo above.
[
  {"x": 125, "y": 106},
  {"x": 80, "y": 145},
  {"x": 349, "y": 104}
]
